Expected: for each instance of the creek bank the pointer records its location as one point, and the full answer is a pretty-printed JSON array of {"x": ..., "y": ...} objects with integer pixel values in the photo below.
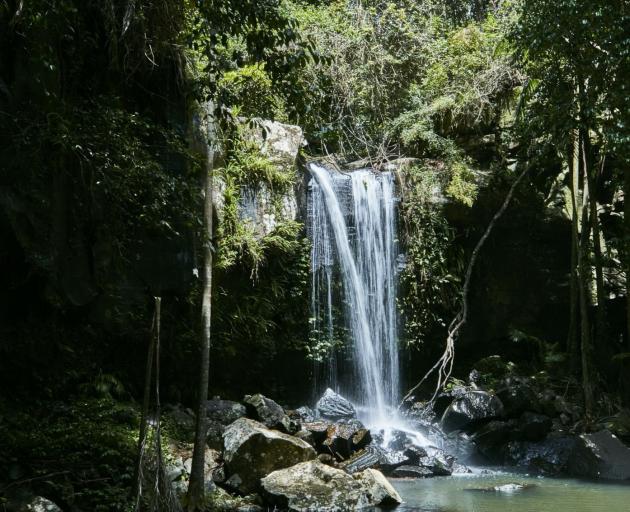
[
  {"x": 324, "y": 458},
  {"x": 514, "y": 420}
]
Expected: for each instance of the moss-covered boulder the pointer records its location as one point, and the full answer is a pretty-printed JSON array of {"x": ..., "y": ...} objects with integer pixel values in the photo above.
[
  {"x": 316, "y": 486},
  {"x": 224, "y": 411},
  {"x": 252, "y": 451}
]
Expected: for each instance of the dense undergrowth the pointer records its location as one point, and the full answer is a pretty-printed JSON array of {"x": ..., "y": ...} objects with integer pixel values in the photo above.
[{"x": 79, "y": 452}]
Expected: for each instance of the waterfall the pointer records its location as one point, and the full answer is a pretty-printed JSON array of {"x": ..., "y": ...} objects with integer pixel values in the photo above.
[{"x": 352, "y": 225}]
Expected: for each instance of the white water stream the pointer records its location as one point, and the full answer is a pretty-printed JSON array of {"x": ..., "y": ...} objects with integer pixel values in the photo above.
[{"x": 353, "y": 230}]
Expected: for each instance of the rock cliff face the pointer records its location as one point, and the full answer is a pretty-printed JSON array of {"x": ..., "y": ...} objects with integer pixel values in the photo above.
[
  {"x": 259, "y": 206},
  {"x": 277, "y": 141}
]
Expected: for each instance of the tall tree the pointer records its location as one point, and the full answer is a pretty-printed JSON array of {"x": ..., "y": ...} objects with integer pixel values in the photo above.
[
  {"x": 265, "y": 29},
  {"x": 626, "y": 202},
  {"x": 197, "y": 480},
  {"x": 584, "y": 278},
  {"x": 578, "y": 105}
]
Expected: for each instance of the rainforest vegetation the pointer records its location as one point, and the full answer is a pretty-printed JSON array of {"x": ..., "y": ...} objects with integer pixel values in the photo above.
[{"x": 126, "y": 152}]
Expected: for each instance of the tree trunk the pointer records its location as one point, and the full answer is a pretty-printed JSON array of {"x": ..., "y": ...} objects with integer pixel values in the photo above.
[
  {"x": 572, "y": 340},
  {"x": 601, "y": 328},
  {"x": 144, "y": 417},
  {"x": 161, "y": 494},
  {"x": 196, "y": 488},
  {"x": 584, "y": 272},
  {"x": 626, "y": 203}
]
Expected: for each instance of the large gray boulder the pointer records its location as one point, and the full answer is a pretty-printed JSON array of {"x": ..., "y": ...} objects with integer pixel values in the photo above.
[
  {"x": 224, "y": 411},
  {"x": 600, "y": 455},
  {"x": 333, "y": 406},
  {"x": 268, "y": 412},
  {"x": 313, "y": 486},
  {"x": 252, "y": 451},
  {"x": 279, "y": 142},
  {"x": 471, "y": 409},
  {"x": 549, "y": 456}
]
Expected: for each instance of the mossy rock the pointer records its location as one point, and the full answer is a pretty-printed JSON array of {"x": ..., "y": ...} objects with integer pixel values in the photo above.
[{"x": 494, "y": 367}]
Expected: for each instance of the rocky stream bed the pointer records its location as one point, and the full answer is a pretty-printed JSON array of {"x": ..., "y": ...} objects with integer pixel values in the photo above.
[{"x": 262, "y": 456}]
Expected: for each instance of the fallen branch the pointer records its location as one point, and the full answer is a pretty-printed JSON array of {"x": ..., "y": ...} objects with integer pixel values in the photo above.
[
  {"x": 444, "y": 364},
  {"x": 33, "y": 479}
]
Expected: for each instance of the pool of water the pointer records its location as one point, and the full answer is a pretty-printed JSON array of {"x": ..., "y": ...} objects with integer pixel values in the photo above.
[{"x": 469, "y": 493}]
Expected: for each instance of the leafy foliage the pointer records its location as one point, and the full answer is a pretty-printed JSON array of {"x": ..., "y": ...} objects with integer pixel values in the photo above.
[
  {"x": 430, "y": 277},
  {"x": 368, "y": 56},
  {"x": 249, "y": 91},
  {"x": 547, "y": 34},
  {"x": 80, "y": 453},
  {"x": 467, "y": 84}
]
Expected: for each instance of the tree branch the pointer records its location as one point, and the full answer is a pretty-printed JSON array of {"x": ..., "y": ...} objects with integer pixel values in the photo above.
[{"x": 444, "y": 364}]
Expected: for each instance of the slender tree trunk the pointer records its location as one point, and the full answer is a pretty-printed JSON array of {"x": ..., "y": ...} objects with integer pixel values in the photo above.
[
  {"x": 626, "y": 204},
  {"x": 161, "y": 493},
  {"x": 601, "y": 328},
  {"x": 584, "y": 270},
  {"x": 196, "y": 488},
  {"x": 573, "y": 336},
  {"x": 142, "y": 437}
]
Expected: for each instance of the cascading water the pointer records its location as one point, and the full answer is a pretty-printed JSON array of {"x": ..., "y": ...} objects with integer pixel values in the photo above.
[{"x": 353, "y": 231}]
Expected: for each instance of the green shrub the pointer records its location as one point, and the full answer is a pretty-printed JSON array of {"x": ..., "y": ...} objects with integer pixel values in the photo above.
[
  {"x": 432, "y": 272},
  {"x": 82, "y": 451},
  {"x": 250, "y": 92}
]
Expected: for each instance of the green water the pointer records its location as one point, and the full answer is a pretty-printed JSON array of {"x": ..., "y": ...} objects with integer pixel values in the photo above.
[{"x": 455, "y": 494}]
